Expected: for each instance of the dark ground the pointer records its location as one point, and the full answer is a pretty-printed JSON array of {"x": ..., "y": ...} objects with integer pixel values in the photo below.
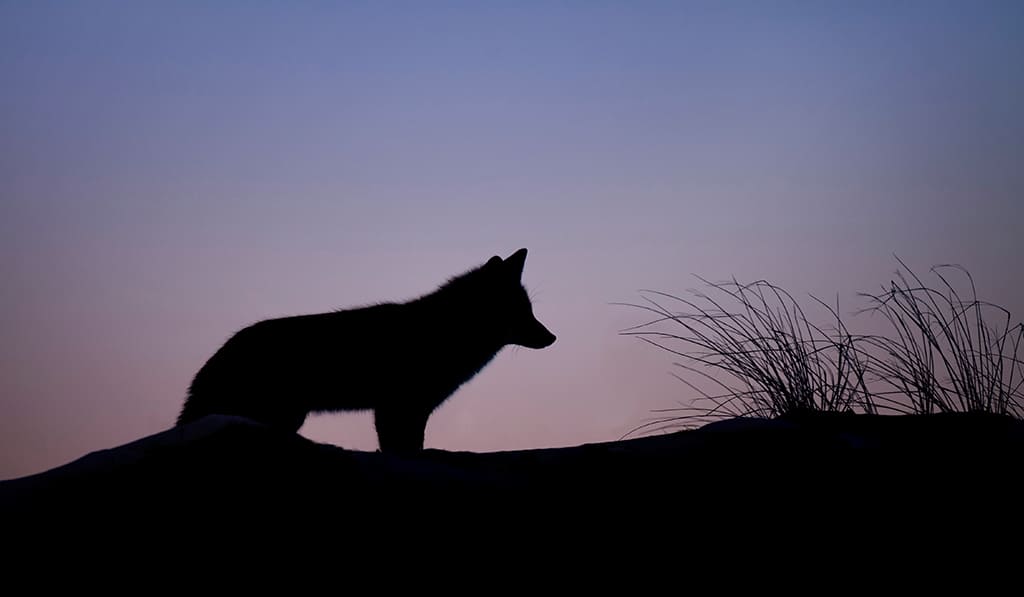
[{"x": 859, "y": 473}]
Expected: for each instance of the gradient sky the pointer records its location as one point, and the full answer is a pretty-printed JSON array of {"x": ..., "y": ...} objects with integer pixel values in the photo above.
[{"x": 171, "y": 172}]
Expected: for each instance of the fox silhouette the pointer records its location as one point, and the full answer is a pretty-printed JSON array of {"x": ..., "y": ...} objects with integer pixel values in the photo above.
[{"x": 400, "y": 360}]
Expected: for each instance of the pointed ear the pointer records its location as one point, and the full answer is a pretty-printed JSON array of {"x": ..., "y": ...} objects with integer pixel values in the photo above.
[
  {"x": 493, "y": 262},
  {"x": 515, "y": 263}
]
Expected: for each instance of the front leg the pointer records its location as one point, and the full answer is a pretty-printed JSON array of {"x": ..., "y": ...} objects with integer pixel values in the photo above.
[{"x": 400, "y": 430}]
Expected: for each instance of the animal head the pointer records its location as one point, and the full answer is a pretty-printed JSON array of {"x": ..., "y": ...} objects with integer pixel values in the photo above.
[{"x": 515, "y": 319}]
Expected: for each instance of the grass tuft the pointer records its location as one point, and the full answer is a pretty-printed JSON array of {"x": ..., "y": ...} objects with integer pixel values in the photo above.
[{"x": 755, "y": 346}]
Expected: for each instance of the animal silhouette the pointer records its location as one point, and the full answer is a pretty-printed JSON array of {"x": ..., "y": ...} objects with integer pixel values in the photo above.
[{"x": 401, "y": 360}]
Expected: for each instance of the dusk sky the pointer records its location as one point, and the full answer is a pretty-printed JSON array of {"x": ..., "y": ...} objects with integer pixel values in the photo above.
[{"x": 172, "y": 172}]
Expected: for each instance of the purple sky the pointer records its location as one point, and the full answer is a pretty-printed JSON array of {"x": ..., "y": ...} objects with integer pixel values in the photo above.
[{"x": 169, "y": 174}]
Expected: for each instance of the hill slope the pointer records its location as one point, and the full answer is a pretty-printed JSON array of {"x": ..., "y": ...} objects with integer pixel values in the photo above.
[{"x": 222, "y": 468}]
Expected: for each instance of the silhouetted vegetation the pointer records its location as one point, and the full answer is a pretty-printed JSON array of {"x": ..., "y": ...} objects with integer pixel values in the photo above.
[
  {"x": 763, "y": 355},
  {"x": 945, "y": 355}
]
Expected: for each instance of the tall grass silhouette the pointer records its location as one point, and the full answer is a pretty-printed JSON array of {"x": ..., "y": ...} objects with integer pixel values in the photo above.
[
  {"x": 945, "y": 355},
  {"x": 755, "y": 345}
]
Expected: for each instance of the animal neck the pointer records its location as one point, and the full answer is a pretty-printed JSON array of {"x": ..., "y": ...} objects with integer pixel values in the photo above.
[{"x": 458, "y": 324}]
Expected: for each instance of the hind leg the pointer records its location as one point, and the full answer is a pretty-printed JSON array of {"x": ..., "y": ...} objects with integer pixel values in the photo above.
[
  {"x": 272, "y": 411},
  {"x": 400, "y": 430}
]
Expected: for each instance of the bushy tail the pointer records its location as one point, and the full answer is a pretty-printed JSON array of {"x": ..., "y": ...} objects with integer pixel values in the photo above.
[{"x": 190, "y": 412}]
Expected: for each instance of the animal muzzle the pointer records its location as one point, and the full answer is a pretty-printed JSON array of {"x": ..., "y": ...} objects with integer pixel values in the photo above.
[{"x": 533, "y": 334}]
